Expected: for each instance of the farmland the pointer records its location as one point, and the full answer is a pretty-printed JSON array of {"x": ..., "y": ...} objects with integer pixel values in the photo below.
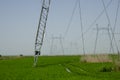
[{"x": 54, "y": 68}]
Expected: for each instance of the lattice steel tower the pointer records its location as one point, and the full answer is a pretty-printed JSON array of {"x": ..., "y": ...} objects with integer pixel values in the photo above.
[{"x": 41, "y": 29}]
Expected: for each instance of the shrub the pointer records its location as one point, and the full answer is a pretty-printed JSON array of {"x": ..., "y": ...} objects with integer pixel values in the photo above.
[
  {"x": 117, "y": 66},
  {"x": 105, "y": 69}
]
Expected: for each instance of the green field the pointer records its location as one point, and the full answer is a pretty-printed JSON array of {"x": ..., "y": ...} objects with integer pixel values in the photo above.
[{"x": 54, "y": 68}]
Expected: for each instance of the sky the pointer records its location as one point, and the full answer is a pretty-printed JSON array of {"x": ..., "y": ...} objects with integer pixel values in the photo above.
[{"x": 19, "y": 20}]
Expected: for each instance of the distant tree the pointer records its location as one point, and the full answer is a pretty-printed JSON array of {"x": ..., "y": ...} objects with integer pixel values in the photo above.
[
  {"x": 0, "y": 55},
  {"x": 21, "y": 55}
]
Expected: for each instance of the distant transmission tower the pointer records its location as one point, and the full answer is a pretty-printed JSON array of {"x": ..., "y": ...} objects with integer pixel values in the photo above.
[
  {"x": 109, "y": 35},
  {"x": 41, "y": 29},
  {"x": 60, "y": 41}
]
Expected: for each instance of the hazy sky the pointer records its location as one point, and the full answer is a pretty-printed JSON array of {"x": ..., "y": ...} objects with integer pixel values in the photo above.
[{"x": 19, "y": 20}]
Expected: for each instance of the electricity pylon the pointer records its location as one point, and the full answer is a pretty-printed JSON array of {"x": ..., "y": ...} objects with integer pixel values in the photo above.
[
  {"x": 41, "y": 29},
  {"x": 109, "y": 35},
  {"x": 61, "y": 44}
]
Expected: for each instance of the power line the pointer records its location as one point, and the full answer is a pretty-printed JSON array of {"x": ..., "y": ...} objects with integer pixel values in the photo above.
[
  {"x": 71, "y": 18},
  {"x": 112, "y": 30},
  {"x": 109, "y": 25},
  {"x": 110, "y": 39},
  {"x": 116, "y": 16},
  {"x": 80, "y": 18},
  {"x": 87, "y": 30},
  {"x": 51, "y": 48},
  {"x": 96, "y": 39},
  {"x": 81, "y": 26},
  {"x": 114, "y": 27}
]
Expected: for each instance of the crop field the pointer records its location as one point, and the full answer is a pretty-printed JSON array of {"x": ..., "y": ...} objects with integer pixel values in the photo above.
[{"x": 54, "y": 68}]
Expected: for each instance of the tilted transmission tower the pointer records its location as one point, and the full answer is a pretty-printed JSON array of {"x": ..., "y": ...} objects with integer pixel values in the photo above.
[{"x": 41, "y": 29}]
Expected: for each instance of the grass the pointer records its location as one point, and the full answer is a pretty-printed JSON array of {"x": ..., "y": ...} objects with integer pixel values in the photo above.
[{"x": 54, "y": 68}]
